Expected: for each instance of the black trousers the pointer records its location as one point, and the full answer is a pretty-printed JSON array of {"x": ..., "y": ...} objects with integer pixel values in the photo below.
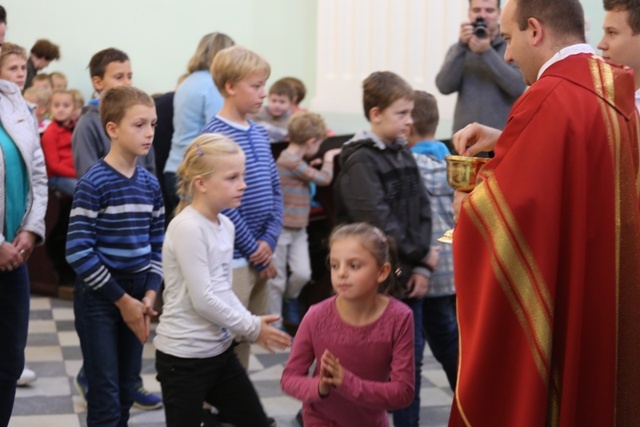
[{"x": 220, "y": 380}]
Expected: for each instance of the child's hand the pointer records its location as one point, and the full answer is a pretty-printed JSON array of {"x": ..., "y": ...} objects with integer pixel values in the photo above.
[
  {"x": 272, "y": 337},
  {"x": 433, "y": 256},
  {"x": 149, "y": 301},
  {"x": 263, "y": 254},
  {"x": 331, "y": 371},
  {"x": 269, "y": 273},
  {"x": 330, "y": 154},
  {"x": 133, "y": 314},
  {"x": 315, "y": 162},
  {"x": 418, "y": 285}
]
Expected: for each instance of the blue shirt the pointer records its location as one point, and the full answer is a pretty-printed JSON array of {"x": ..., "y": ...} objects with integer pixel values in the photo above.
[
  {"x": 116, "y": 225},
  {"x": 259, "y": 217},
  {"x": 195, "y": 103},
  {"x": 16, "y": 186}
]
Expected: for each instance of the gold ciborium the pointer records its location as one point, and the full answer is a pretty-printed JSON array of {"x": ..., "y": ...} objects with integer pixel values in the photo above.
[{"x": 461, "y": 173}]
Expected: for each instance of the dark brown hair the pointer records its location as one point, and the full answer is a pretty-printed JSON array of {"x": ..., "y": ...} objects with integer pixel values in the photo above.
[
  {"x": 377, "y": 243},
  {"x": 100, "y": 60},
  {"x": 631, "y": 6},
  {"x": 383, "y": 88},
  {"x": 43, "y": 48},
  {"x": 565, "y": 18},
  {"x": 283, "y": 87}
]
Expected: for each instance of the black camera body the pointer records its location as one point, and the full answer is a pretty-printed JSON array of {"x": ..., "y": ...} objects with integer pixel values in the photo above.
[{"x": 479, "y": 27}]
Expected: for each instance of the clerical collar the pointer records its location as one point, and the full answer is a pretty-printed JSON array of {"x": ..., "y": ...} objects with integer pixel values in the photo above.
[{"x": 564, "y": 53}]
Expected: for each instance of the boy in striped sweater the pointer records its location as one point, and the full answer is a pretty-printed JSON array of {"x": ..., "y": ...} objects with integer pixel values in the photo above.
[
  {"x": 291, "y": 257},
  {"x": 240, "y": 75},
  {"x": 114, "y": 244}
]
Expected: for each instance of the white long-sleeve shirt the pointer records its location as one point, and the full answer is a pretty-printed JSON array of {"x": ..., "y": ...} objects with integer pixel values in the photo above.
[{"x": 201, "y": 314}]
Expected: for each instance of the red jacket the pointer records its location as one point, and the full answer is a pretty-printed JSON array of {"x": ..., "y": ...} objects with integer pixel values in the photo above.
[{"x": 56, "y": 145}]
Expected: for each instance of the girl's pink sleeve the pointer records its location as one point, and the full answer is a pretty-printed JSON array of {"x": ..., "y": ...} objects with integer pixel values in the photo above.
[
  {"x": 397, "y": 393},
  {"x": 295, "y": 377}
]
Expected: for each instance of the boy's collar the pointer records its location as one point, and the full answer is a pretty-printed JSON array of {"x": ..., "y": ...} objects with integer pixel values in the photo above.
[{"x": 378, "y": 142}]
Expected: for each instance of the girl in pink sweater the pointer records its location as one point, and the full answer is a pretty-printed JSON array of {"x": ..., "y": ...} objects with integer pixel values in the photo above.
[{"x": 361, "y": 339}]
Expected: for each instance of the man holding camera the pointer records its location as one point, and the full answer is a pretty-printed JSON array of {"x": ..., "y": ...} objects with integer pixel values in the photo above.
[{"x": 474, "y": 67}]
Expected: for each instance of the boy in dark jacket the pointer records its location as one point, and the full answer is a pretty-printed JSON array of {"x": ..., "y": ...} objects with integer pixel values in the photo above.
[{"x": 380, "y": 183}]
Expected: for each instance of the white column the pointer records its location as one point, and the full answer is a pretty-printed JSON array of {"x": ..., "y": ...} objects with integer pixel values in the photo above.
[{"x": 357, "y": 37}]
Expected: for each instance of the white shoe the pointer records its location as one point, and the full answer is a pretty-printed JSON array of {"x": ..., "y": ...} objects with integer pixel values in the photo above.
[{"x": 27, "y": 377}]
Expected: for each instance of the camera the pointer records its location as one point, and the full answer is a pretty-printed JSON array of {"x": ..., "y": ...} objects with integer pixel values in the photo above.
[{"x": 479, "y": 27}]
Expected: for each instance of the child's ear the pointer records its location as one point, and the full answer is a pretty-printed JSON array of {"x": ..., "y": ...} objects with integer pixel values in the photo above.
[
  {"x": 410, "y": 131},
  {"x": 97, "y": 83},
  {"x": 229, "y": 88},
  {"x": 374, "y": 114},
  {"x": 198, "y": 184},
  {"x": 384, "y": 272},
  {"x": 111, "y": 130}
]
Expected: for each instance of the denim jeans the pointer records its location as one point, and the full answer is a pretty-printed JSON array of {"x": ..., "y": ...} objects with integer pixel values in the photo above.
[
  {"x": 219, "y": 380},
  {"x": 410, "y": 416},
  {"x": 63, "y": 184},
  {"x": 111, "y": 351},
  {"x": 14, "y": 322},
  {"x": 441, "y": 332}
]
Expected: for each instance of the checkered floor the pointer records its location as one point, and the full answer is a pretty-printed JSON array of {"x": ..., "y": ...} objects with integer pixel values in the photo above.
[{"x": 53, "y": 352}]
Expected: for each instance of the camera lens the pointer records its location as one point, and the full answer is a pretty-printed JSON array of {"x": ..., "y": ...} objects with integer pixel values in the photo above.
[{"x": 479, "y": 28}]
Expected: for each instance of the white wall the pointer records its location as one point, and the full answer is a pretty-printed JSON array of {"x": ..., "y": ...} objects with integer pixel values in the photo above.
[{"x": 161, "y": 35}]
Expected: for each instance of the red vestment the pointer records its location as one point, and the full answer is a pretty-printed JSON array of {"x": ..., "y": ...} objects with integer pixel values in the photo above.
[{"x": 547, "y": 256}]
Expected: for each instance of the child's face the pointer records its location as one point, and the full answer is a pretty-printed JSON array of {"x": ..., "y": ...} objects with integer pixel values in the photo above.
[
  {"x": 223, "y": 188},
  {"x": 59, "y": 83},
  {"x": 134, "y": 133},
  {"x": 249, "y": 93},
  {"x": 115, "y": 74},
  {"x": 45, "y": 83},
  {"x": 62, "y": 107},
  {"x": 40, "y": 111},
  {"x": 355, "y": 273},
  {"x": 14, "y": 69},
  {"x": 279, "y": 105},
  {"x": 393, "y": 122}
]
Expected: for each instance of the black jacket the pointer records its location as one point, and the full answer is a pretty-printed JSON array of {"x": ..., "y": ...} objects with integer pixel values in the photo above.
[{"x": 383, "y": 186}]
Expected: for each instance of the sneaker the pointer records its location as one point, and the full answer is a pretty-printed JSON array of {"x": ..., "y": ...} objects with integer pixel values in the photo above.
[
  {"x": 82, "y": 385},
  {"x": 27, "y": 377},
  {"x": 146, "y": 401}
]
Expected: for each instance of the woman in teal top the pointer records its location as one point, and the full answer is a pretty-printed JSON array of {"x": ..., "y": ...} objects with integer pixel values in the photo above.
[{"x": 23, "y": 203}]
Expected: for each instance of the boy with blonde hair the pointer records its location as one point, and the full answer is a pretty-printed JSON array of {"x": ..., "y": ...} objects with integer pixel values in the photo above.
[
  {"x": 291, "y": 257},
  {"x": 114, "y": 244},
  {"x": 240, "y": 76}
]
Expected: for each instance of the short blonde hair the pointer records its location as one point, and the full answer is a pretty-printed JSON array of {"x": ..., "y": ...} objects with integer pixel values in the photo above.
[
  {"x": 115, "y": 103},
  {"x": 207, "y": 49},
  {"x": 236, "y": 63},
  {"x": 38, "y": 95},
  {"x": 200, "y": 158},
  {"x": 78, "y": 99},
  {"x": 12, "y": 49},
  {"x": 64, "y": 92},
  {"x": 306, "y": 125}
]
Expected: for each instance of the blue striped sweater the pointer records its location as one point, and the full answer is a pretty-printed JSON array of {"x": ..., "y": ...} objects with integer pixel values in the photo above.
[
  {"x": 116, "y": 227},
  {"x": 259, "y": 217}
]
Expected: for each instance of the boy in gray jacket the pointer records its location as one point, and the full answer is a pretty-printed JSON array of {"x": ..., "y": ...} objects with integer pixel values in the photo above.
[{"x": 108, "y": 68}]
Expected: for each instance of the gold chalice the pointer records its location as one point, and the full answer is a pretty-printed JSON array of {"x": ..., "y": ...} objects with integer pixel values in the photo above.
[{"x": 461, "y": 173}]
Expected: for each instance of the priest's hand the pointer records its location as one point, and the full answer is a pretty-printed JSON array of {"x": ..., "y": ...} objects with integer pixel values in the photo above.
[{"x": 474, "y": 138}]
